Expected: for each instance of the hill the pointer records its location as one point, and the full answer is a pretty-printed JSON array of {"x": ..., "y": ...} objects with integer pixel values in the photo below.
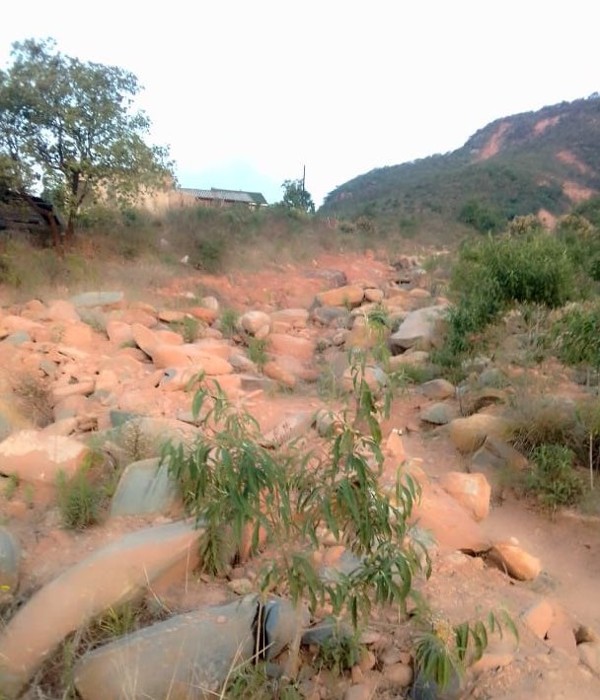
[{"x": 545, "y": 161}]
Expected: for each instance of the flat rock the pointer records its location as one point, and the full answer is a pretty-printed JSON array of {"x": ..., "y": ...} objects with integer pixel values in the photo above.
[
  {"x": 108, "y": 577},
  {"x": 439, "y": 413},
  {"x": 88, "y": 299},
  {"x": 438, "y": 389},
  {"x": 35, "y": 456}
]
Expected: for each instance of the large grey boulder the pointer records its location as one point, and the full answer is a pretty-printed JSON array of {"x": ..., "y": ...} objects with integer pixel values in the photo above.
[
  {"x": 421, "y": 328},
  {"x": 145, "y": 488},
  {"x": 188, "y": 656}
]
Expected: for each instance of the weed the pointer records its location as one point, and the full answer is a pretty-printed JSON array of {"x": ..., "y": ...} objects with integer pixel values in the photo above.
[
  {"x": 339, "y": 653},
  {"x": 11, "y": 486},
  {"x": 257, "y": 351},
  {"x": 28, "y": 495},
  {"x": 442, "y": 650},
  {"x": 189, "y": 328},
  {"x": 228, "y": 322},
  {"x": 135, "y": 442},
  {"x": 252, "y": 681},
  {"x": 78, "y": 500}
]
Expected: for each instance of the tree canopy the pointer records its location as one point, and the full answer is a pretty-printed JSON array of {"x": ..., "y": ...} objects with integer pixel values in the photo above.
[
  {"x": 296, "y": 197},
  {"x": 72, "y": 125}
]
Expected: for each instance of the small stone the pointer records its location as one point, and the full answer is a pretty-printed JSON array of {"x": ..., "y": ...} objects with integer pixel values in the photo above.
[
  {"x": 399, "y": 674},
  {"x": 241, "y": 586}
]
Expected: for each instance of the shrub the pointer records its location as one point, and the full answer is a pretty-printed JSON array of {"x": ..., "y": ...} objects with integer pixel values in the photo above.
[
  {"x": 553, "y": 479},
  {"x": 577, "y": 336},
  {"x": 538, "y": 420},
  {"x": 491, "y": 275}
]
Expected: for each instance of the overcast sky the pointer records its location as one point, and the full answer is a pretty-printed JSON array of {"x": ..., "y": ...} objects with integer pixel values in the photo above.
[{"x": 247, "y": 93}]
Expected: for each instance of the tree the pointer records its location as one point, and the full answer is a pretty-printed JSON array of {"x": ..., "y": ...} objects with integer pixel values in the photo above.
[
  {"x": 296, "y": 197},
  {"x": 72, "y": 124}
]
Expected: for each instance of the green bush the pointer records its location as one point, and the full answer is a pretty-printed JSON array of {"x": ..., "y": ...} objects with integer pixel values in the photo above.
[
  {"x": 577, "y": 336},
  {"x": 493, "y": 274},
  {"x": 553, "y": 479}
]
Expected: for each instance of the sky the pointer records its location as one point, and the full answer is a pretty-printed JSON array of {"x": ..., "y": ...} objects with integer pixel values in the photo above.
[{"x": 247, "y": 94}]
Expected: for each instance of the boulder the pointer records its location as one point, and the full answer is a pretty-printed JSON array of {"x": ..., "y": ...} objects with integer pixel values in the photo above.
[
  {"x": 515, "y": 561},
  {"x": 296, "y": 318},
  {"x": 538, "y": 617},
  {"x": 297, "y": 347},
  {"x": 335, "y": 316},
  {"x": 348, "y": 296},
  {"x": 187, "y": 656},
  {"x": 420, "y": 329},
  {"x": 35, "y": 456},
  {"x": 471, "y": 490},
  {"x": 439, "y": 413},
  {"x": 438, "y": 389},
  {"x": 253, "y": 321},
  {"x": 469, "y": 434},
  {"x": 108, "y": 577},
  {"x": 412, "y": 357},
  {"x": 589, "y": 654},
  {"x": 274, "y": 370},
  {"x": 146, "y": 487},
  {"x": 451, "y": 525}
]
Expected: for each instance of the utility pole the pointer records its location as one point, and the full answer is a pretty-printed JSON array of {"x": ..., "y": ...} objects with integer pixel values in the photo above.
[{"x": 303, "y": 182}]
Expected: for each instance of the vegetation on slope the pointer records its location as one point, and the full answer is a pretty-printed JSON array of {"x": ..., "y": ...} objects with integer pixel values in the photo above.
[{"x": 538, "y": 152}]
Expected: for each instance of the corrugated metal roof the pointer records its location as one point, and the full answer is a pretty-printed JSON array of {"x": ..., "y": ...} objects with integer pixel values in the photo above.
[{"x": 226, "y": 195}]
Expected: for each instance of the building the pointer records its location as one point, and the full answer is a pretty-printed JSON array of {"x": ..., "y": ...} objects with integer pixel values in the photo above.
[{"x": 225, "y": 198}]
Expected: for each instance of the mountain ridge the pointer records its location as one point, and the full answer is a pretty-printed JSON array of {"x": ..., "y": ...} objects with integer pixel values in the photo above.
[{"x": 541, "y": 161}]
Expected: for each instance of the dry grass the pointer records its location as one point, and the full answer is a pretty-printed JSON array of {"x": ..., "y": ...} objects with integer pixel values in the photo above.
[{"x": 34, "y": 399}]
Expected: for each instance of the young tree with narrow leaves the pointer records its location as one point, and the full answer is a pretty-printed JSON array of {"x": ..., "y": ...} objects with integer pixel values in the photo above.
[{"x": 73, "y": 124}]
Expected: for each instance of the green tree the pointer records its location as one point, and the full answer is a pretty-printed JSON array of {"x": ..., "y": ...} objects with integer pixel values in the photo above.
[
  {"x": 296, "y": 197},
  {"x": 72, "y": 124}
]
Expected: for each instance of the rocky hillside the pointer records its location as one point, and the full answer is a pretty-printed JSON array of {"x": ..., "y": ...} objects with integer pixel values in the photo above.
[
  {"x": 115, "y": 605},
  {"x": 545, "y": 161}
]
